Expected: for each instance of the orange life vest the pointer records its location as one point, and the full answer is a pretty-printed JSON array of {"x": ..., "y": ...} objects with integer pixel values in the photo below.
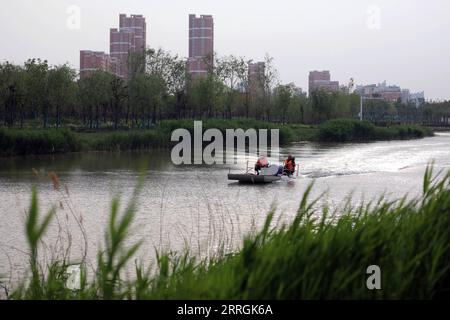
[{"x": 289, "y": 165}]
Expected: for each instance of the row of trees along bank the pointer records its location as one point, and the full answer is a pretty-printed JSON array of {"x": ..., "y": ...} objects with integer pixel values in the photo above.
[{"x": 39, "y": 95}]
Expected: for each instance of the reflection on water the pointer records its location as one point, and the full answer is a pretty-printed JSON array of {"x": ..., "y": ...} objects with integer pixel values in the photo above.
[{"x": 194, "y": 207}]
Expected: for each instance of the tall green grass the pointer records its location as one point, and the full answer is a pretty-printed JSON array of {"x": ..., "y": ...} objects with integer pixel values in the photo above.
[
  {"x": 347, "y": 130},
  {"x": 321, "y": 254},
  {"x": 160, "y": 135},
  {"x": 37, "y": 141}
]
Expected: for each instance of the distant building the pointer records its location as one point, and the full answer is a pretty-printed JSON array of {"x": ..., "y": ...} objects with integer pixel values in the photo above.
[
  {"x": 256, "y": 77},
  {"x": 256, "y": 70},
  {"x": 417, "y": 98},
  {"x": 91, "y": 61},
  {"x": 129, "y": 38},
  {"x": 201, "y": 44},
  {"x": 321, "y": 80},
  {"x": 390, "y": 93},
  {"x": 405, "y": 96}
]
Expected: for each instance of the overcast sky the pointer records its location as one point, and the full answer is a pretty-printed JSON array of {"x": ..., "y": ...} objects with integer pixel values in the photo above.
[{"x": 406, "y": 42}]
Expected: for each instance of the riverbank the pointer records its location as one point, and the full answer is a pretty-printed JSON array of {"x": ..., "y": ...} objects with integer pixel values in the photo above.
[
  {"x": 345, "y": 130},
  {"x": 18, "y": 142},
  {"x": 315, "y": 256}
]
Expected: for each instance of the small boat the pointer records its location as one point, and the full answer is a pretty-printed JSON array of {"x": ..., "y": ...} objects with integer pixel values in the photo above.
[
  {"x": 253, "y": 178},
  {"x": 267, "y": 175}
]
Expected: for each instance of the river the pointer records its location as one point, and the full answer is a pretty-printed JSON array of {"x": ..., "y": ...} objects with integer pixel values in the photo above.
[{"x": 192, "y": 207}]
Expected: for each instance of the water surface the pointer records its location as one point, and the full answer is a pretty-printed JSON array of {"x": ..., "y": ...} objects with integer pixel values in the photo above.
[{"x": 193, "y": 207}]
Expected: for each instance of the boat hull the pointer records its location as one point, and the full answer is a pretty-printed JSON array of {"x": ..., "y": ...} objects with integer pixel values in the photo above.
[{"x": 252, "y": 178}]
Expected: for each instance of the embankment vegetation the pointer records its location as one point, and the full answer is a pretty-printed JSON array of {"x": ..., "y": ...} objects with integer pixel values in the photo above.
[
  {"x": 15, "y": 141},
  {"x": 345, "y": 130},
  {"x": 37, "y": 141}
]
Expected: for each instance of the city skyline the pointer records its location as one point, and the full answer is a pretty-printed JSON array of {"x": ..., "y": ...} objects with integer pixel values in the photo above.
[{"x": 405, "y": 50}]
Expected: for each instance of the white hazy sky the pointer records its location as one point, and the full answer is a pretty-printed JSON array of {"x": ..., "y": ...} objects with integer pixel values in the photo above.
[{"x": 407, "y": 44}]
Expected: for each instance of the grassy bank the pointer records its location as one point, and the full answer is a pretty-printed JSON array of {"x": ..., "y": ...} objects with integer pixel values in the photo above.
[
  {"x": 40, "y": 141},
  {"x": 160, "y": 135},
  {"x": 345, "y": 130},
  {"x": 318, "y": 255},
  {"x": 37, "y": 141}
]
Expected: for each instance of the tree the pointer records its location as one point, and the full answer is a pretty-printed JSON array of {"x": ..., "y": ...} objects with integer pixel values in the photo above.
[
  {"x": 60, "y": 90},
  {"x": 95, "y": 95},
  {"x": 136, "y": 63},
  {"x": 146, "y": 96},
  {"x": 119, "y": 92},
  {"x": 232, "y": 72},
  {"x": 322, "y": 105},
  {"x": 283, "y": 97},
  {"x": 270, "y": 81},
  {"x": 11, "y": 92},
  {"x": 166, "y": 74},
  {"x": 36, "y": 77}
]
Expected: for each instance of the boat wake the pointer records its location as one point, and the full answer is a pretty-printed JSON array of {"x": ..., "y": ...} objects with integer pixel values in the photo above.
[{"x": 329, "y": 174}]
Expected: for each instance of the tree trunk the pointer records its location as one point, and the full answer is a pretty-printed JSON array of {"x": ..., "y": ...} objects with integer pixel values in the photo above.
[
  {"x": 154, "y": 114},
  {"x": 58, "y": 117},
  {"x": 97, "y": 117},
  {"x": 45, "y": 119}
]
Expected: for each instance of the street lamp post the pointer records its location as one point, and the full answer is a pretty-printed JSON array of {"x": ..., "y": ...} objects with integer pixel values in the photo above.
[{"x": 361, "y": 108}]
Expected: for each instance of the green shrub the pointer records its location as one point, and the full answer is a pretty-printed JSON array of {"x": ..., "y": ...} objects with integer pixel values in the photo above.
[
  {"x": 348, "y": 130},
  {"x": 342, "y": 130},
  {"x": 37, "y": 141},
  {"x": 48, "y": 141}
]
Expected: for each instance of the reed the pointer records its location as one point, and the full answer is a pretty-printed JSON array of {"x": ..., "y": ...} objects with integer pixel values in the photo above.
[
  {"x": 37, "y": 141},
  {"x": 15, "y": 142},
  {"x": 347, "y": 130}
]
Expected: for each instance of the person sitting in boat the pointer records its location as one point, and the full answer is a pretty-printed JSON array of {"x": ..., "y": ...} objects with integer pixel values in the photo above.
[
  {"x": 262, "y": 162},
  {"x": 289, "y": 165}
]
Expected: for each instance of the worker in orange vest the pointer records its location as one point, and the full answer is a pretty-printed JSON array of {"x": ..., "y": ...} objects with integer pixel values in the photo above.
[
  {"x": 289, "y": 165},
  {"x": 261, "y": 163}
]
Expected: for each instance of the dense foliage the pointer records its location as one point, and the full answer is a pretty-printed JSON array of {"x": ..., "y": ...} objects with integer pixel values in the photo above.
[
  {"x": 34, "y": 141},
  {"x": 36, "y": 94},
  {"x": 343, "y": 130},
  {"x": 14, "y": 141}
]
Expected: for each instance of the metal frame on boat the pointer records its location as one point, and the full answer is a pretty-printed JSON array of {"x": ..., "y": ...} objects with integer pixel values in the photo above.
[{"x": 248, "y": 177}]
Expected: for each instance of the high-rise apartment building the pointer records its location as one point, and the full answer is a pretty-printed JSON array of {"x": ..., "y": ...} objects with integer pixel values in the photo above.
[
  {"x": 135, "y": 24},
  {"x": 129, "y": 38},
  {"x": 91, "y": 61},
  {"x": 321, "y": 80},
  {"x": 201, "y": 44},
  {"x": 256, "y": 77},
  {"x": 256, "y": 70}
]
